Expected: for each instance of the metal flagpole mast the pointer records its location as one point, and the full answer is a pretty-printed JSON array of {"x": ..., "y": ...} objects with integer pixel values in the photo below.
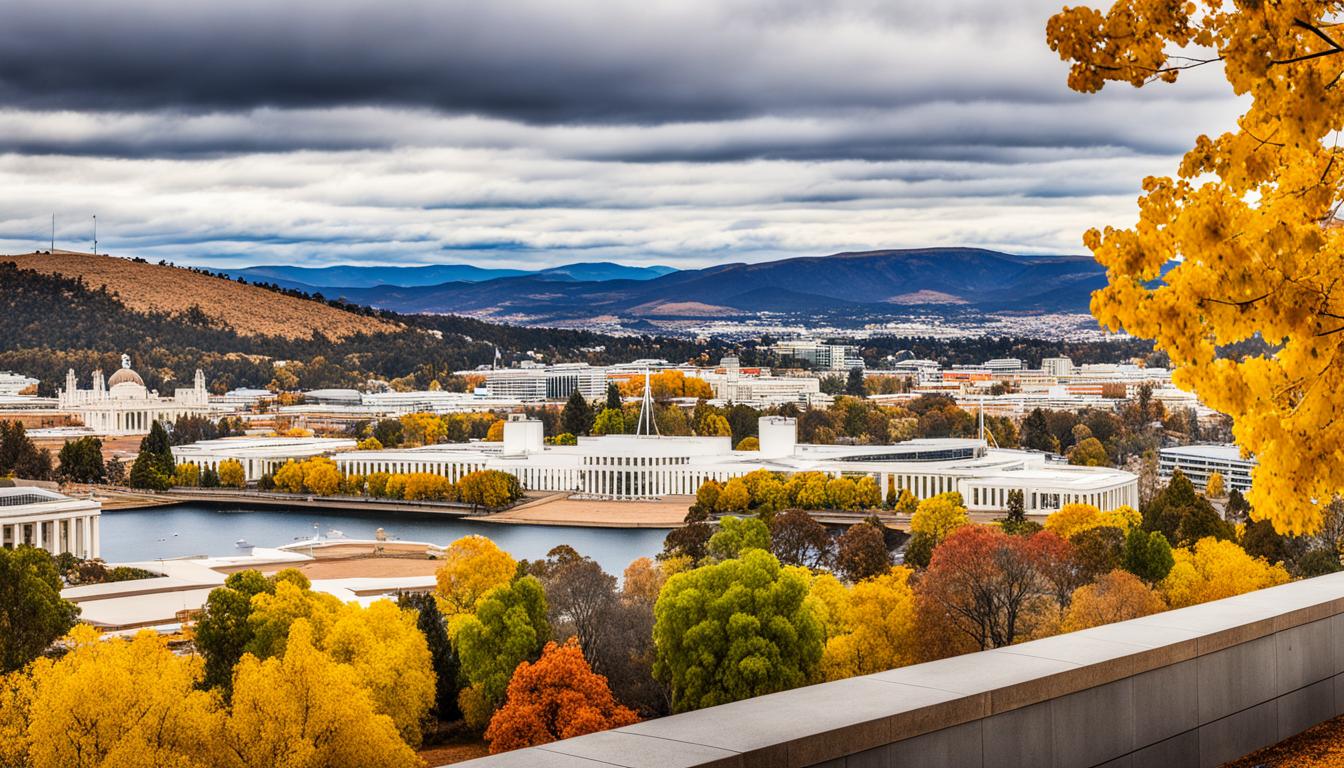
[{"x": 95, "y": 234}]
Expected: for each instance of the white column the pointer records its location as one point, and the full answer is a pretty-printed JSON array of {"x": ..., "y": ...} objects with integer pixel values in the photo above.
[
  {"x": 37, "y": 534},
  {"x": 86, "y": 536},
  {"x": 95, "y": 537}
]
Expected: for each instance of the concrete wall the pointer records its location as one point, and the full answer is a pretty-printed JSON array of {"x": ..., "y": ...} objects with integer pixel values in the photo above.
[{"x": 1193, "y": 687}]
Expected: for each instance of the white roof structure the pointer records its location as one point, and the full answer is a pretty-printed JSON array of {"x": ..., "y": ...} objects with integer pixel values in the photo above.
[
  {"x": 49, "y": 520},
  {"x": 258, "y": 455},
  {"x": 642, "y": 466}
]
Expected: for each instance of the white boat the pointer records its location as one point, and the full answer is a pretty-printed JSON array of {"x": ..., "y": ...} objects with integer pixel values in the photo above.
[{"x": 242, "y": 544}]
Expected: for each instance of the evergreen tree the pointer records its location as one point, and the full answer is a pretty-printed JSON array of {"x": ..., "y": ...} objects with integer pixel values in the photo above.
[
  {"x": 577, "y": 417},
  {"x": 1036, "y": 432},
  {"x": 854, "y": 383},
  {"x": 81, "y": 460},
  {"x": 443, "y": 657},
  {"x": 154, "y": 466},
  {"x": 613, "y": 397}
]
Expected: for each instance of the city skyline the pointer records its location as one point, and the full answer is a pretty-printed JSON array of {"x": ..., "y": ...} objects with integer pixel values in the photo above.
[{"x": 522, "y": 135}]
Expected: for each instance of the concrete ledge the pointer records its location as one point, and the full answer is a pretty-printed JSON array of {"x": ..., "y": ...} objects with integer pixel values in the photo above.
[{"x": 1191, "y": 687}]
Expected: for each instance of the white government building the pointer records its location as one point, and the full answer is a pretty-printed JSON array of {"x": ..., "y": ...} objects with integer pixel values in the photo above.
[
  {"x": 46, "y": 519},
  {"x": 122, "y": 405},
  {"x": 632, "y": 467}
]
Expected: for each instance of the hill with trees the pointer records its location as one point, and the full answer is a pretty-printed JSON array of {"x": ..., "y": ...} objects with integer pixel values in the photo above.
[{"x": 52, "y": 321}]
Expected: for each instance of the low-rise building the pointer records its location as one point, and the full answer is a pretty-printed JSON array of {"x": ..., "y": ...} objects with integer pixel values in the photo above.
[
  {"x": 48, "y": 520},
  {"x": 532, "y": 383},
  {"x": 258, "y": 455},
  {"x": 15, "y": 383},
  {"x": 650, "y": 466},
  {"x": 1197, "y": 462}
]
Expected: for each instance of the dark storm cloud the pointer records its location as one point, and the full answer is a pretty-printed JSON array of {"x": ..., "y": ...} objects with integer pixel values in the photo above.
[
  {"x": 548, "y": 62},
  {"x": 533, "y": 132}
]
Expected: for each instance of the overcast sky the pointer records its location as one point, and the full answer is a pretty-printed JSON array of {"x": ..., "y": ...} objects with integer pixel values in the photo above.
[{"x": 528, "y": 133}]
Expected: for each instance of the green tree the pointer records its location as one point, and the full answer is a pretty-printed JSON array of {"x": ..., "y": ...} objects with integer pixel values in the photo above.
[
  {"x": 81, "y": 460},
  {"x": 223, "y": 631},
  {"x": 32, "y": 613},
  {"x": 854, "y": 383},
  {"x": 1036, "y": 433},
  {"x": 577, "y": 417},
  {"x": 1148, "y": 555},
  {"x": 611, "y": 421},
  {"x": 508, "y": 627},
  {"x": 1183, "y": 515},
  {"x": 740, "y": 628},
  {"x": 154, "y": 465},
  {"x": 613, "y": 397},
  {"x": 443, "y": 656},
  {"x": 736, "y": 535}
]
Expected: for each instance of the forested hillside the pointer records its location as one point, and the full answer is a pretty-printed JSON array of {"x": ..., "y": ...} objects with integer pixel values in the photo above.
[{"x": 50, "y": 323}]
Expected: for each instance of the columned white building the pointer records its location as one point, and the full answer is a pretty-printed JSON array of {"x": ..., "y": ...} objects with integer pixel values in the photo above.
[
  {"x": 48, "y": 520},
  {"x": 258, "y": 455},
  {"x": 122, "y": 405},
  {"x": 651, "y": 466}
]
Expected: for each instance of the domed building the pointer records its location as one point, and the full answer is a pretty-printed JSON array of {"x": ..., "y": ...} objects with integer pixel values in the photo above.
[{"x": 123, "y": 405}]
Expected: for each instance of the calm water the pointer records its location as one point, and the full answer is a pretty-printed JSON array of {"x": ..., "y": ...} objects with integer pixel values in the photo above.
[{"x": 209, "y": 529}]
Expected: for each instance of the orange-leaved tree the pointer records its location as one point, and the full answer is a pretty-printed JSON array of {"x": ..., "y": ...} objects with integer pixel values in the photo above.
[
  {"x": 1244, "y": 239},
  {"x": 557, "y": 697}
]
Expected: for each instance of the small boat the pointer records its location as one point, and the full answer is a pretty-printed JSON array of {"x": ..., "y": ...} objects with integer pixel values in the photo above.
[
  {"x": 332, "y": 533},
  {"x": 242, "y": 544}
]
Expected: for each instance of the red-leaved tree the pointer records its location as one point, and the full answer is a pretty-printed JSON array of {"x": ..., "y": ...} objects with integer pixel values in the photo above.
[
  {"x": 987, "y": 583},
  {"x": 558, "y": 697}
]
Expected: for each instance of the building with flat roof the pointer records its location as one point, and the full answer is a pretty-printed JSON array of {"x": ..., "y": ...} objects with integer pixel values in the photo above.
[
  {"x": 48, "y": 520},
  {"x": 14, "y": 383},
  {"x": 818, "y": 355},
  {"x": 533, "y": 383},
  {"x": 1197, "y": 462},
  {"x": 258, "y": 455},
  {"x": 633, "y": 467}
]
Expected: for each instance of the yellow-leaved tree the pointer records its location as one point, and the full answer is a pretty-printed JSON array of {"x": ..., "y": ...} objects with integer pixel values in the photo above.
[
  {"x": 472, "y": 566},
  {"x": 304, "y": 709},
  {"x": 1214, "y": 569},
  {"x": 380, "y": 643},
  {"x": 1243, "y": 239},
  {"x": 879, "y": 624},
  {"x": 117, "y": 702}
]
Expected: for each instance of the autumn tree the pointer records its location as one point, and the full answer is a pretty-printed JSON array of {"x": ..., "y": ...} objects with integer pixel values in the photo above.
[
  {"x": 557, "y": 697},
  {"x": 735, "y": 629},
  {"x": 877, "y": 627},
  {"x": 472, "y": 566},
  {"x": 32, "y": 612},
  {"x": 231, "y": 473},
  {"x": 1246, "y": 222},
  {"x": 580, "y": 597},
  {"x": 1214, "y": 487},
  {"x": 1214, "y": 569},
  {"x": 489, "y": 488},
  {"x": 304, "y": 708},
  {"x": 110, "y": 702},
  {"x": 862, "y": 552},
  {"x": 1116, "y": 596},
  {"x": 798, "y": 539},
  {"x": 985, "y": 583}
]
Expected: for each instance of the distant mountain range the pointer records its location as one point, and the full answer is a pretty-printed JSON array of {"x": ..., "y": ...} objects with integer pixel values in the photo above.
[
  {"x": 869, "y": 283},
  {"x": 307, "y": 278}
]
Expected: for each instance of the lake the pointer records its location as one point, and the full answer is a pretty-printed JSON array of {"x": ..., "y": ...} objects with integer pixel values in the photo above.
[{"x": 212, "y": 529}]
